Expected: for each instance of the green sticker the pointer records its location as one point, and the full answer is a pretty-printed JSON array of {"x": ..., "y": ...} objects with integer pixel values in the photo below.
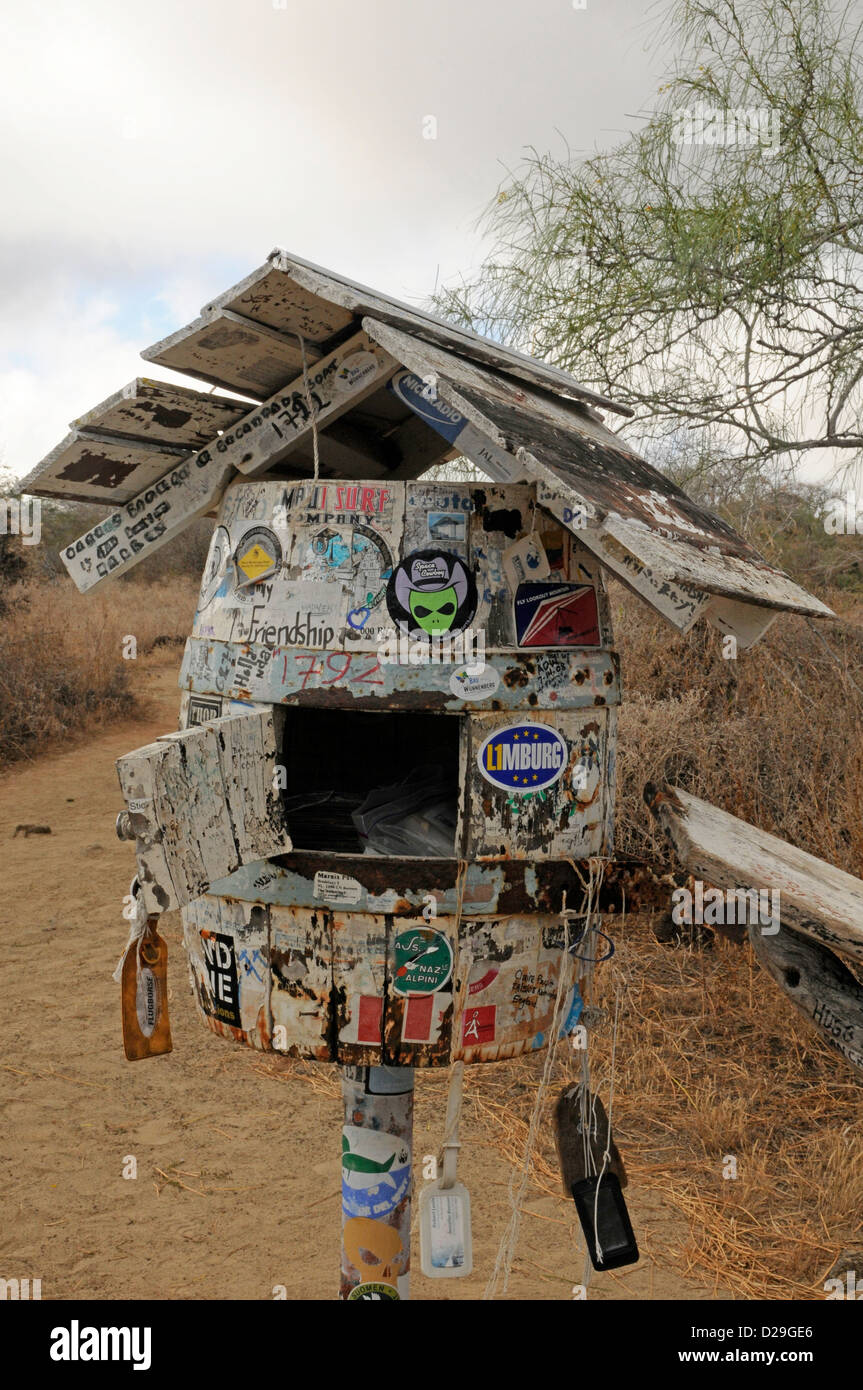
[
  {"x": 435, "y": 612},
  {"x": 373, "y": 1292},
  {"x": 423, "y": 961}
]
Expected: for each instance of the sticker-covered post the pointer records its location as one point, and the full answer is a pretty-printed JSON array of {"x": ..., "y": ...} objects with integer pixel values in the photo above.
[{"x": 376, "y": 1182}]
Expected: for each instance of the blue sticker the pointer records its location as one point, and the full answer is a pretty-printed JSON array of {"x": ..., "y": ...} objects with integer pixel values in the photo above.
[
  {"x": 422, "y": 399},
  {"x": 576, "y": 1005},
  {"x": 376, "y": 1171},
  {"x": 524, "y": 757}
]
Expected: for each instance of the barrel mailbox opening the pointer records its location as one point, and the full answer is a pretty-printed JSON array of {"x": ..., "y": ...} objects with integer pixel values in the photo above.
[{"x": 359, "y": 782}]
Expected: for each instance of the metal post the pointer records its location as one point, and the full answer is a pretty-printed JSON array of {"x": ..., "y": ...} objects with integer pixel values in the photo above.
[{"x": 376, "y": 1182}]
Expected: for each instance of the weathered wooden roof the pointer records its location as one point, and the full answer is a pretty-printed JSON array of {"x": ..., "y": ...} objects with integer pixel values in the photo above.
[
  {"x": 393, "y": 390},
  {"x": 296, "y": 296}
]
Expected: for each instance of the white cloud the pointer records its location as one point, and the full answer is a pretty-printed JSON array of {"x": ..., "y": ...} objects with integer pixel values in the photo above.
[{"x": 152, "y": 155}]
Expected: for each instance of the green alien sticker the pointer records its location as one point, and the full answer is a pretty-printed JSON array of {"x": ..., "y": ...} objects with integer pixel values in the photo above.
[
  {"x": 432, "y": 592},
  {"x": 434, "y": 612}
]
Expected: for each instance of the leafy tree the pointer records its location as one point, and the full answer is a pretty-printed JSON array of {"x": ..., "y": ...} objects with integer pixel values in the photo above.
[{"x": 707, "y": 270}]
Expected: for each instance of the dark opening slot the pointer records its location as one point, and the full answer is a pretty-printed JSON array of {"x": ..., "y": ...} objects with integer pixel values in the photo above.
[{"x": 340, "y": 762}]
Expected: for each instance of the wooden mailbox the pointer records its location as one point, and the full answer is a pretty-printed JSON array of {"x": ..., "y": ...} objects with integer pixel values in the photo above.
[{"x": 396, "y": 759}]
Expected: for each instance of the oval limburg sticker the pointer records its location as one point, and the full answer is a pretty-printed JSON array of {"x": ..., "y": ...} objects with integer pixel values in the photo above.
[{"x": 521, "y": 758}]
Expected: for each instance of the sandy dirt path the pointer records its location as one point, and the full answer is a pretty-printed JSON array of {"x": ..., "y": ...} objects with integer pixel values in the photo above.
[{"x": 238, "y": 1169}]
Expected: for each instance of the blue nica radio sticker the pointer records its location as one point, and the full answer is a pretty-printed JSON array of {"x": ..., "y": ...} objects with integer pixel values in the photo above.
[
  {"x": 421, "y": 397},
  {"x": 526, "y": 757}
]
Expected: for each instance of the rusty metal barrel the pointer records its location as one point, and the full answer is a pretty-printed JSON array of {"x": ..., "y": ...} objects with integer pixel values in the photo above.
[{"x": 439, "y": 660}]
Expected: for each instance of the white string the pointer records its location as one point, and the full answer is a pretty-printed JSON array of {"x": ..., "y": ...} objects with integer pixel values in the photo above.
[
  {"x": 456, "y": 1081},
  {"x": 587, "y": 1101},
  {"x": 509, "y": 1239},
  {"x": 137, "y": 926},
  {"x": 310, "y": 403}
]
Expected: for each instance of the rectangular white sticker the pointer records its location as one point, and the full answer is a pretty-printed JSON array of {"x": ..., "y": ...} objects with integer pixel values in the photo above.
[{"x": 336, "y": 888}]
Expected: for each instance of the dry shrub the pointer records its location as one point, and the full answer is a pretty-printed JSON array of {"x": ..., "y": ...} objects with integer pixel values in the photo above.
[
  {"x": 61, "y": 663},
  {"x": 774, "y": 736},
  {"x": 712, "y": 1061}
]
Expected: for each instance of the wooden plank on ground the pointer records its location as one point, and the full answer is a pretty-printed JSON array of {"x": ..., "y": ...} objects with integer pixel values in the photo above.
[
  {"x": 821, "y": 986},
  {"x": 815, "y": 898}
]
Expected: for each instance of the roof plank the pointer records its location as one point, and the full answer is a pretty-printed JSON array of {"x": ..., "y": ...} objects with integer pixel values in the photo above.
[
  {"x": 234, "y": 352},
  {"x": 263, "y": 300},
  {"x": 146, "y": 522},
  {"x": 270, "y": 296},
  {"x": 636, "y": 520},
  {"x": 95, "y": 467},
  {"x": 162, "y": 411}
]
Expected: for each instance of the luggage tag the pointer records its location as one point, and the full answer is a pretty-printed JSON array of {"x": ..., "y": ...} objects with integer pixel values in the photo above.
[
  {"x": 446, "y": 1247},
  {"x": 446, "y": 1244},
  {"x": 143, "y": 976}
]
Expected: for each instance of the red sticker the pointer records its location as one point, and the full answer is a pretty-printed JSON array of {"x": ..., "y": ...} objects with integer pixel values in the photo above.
[
  {"x": 478, "y": 1025},
  {"x": 369, "y": 1021},
  {"x": 419, "y": 1010},
  {"x": 491, "y": 974}
]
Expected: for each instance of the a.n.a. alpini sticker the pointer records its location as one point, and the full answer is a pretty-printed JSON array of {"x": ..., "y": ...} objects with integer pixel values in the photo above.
[
  {"x": 423, "y": 959},
  {"x": 526, "y": 757}
]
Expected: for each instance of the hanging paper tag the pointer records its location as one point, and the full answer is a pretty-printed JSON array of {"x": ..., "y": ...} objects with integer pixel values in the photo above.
[
  {"x": 524, "y": 560},
  {"x": 144, "y": 996},
  {"x": 446, "y": 1247}
]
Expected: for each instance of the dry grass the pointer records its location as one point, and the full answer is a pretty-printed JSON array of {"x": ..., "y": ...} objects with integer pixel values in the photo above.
[
  {"x": 62, "y": 669},
  {"x": 775, "y": 736},
  {"x": 711, "y": 1058},
  {"x": 711, "y": 1061}
]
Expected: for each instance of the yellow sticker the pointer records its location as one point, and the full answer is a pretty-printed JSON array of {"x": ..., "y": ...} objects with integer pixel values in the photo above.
[{"x": 255, "y": 562}]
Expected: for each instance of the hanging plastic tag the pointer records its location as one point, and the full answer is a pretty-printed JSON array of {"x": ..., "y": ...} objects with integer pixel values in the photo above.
[
  {"x": 585, "y": 1142},
  {"x": 605, "y": 1222},
  {"x": 144, "y": 995},
  {"x": 446, "y": 1246}
]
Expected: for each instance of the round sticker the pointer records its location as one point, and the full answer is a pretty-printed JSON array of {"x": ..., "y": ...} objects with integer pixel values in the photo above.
[
  {"x": 431, "y": 593},
  {"x": 470, "y": 684},
  {"x": 258, "y": 555},
  {"x": 423, "y": 961},
  {"x": 373, "y": 1292},
  {"x": 217, "y": 560},
  {"x": 526, "y": 757}
]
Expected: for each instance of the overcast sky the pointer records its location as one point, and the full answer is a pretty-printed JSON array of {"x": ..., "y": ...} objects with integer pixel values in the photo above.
[{"x": 154, "y": 154}]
